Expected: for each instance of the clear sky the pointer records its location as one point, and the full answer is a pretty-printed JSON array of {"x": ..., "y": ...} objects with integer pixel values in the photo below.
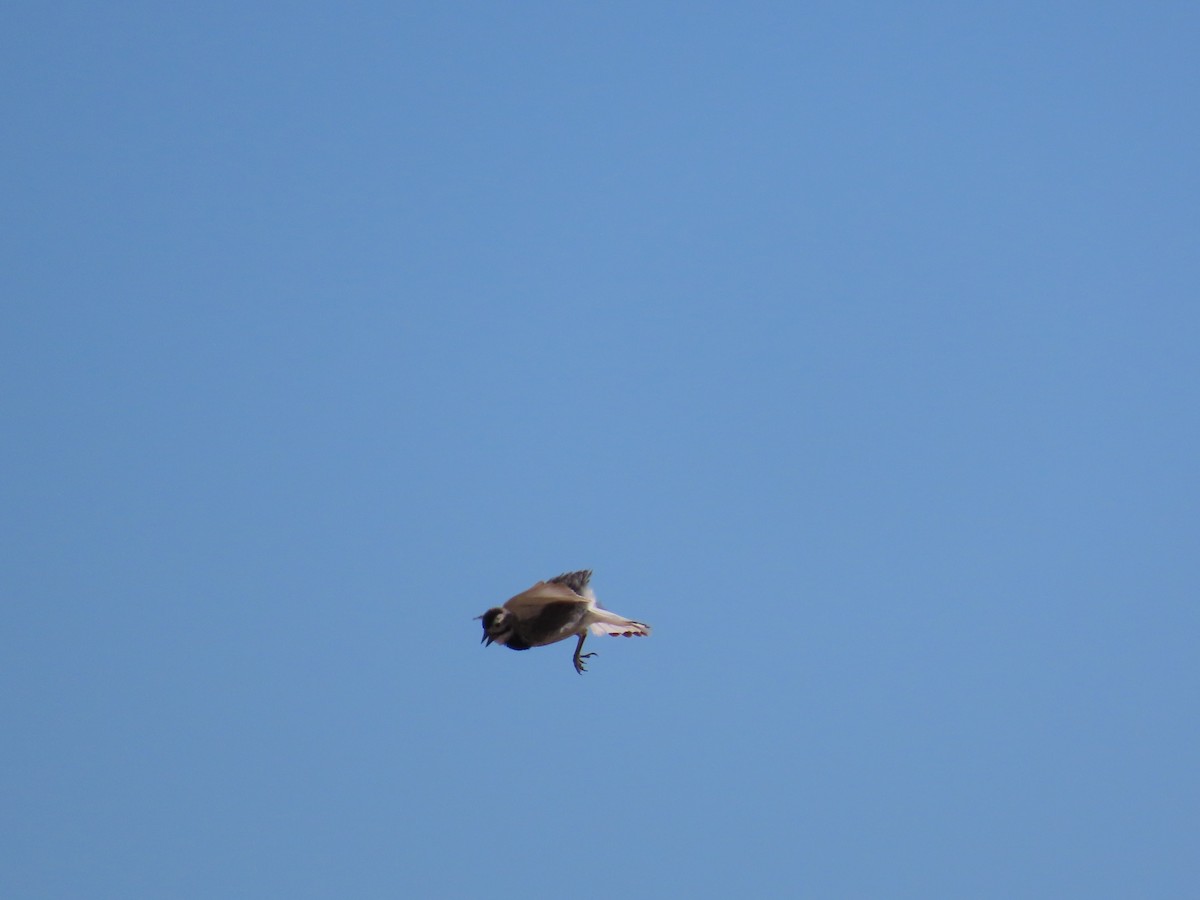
[{"x": 855, "y": 346}]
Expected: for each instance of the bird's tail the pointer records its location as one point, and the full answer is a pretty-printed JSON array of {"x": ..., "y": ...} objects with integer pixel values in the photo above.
[{"x": 605, "y": 622}]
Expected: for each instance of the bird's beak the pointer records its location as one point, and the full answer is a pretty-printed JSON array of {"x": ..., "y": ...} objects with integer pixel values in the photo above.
[{"x": 486, "y": 640}]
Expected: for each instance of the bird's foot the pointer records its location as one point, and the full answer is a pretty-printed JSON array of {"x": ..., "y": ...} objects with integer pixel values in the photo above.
[{"x": 578, "y": 660}]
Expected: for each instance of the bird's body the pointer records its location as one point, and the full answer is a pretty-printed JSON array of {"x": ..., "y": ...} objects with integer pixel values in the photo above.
[{"x": 553, "y": 611}]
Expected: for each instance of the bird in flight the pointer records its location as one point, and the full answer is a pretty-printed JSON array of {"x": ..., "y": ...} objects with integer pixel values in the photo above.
[{"x": 553, "y": 611}]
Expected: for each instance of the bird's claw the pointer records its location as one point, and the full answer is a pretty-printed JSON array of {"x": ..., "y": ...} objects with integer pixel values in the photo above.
[{"x": 579, "y": 664}]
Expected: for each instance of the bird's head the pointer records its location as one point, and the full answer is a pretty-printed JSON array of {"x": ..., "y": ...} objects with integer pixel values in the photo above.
[{"x": 497, "y": 626}]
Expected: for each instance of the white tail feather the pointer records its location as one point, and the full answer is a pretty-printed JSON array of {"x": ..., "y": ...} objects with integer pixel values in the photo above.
[{"x": 605, "y": 622}]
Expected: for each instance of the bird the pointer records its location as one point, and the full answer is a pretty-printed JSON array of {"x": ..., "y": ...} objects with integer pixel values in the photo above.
[{"x": 553, "y": 611}]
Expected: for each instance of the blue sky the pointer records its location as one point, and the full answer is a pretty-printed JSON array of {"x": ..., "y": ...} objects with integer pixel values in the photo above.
[{"x": 854, "y": 347}]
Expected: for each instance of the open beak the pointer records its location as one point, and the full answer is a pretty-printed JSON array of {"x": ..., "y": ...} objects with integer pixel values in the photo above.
[{"x": 485, "y": 640}]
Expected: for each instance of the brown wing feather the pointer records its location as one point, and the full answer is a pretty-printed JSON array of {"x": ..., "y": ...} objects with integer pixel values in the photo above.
[
  {"x": 576, "y": 581},
  {"x": 527, "y": 602}
]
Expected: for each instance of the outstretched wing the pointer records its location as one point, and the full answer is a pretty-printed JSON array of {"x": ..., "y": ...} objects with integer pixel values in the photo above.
[{"x": 576, "y": 581}]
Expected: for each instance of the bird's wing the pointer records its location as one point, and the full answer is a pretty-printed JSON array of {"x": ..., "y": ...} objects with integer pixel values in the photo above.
[
  {"x": 529, "y": 602},
  {"x": 576, "y": 581}
]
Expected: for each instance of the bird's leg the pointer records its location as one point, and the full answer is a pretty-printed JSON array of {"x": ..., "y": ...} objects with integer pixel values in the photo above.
[{"x": 579, "y": 658}]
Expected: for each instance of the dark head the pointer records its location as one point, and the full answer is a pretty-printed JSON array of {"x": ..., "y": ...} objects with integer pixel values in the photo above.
[{"x": 497, "y": 626}]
